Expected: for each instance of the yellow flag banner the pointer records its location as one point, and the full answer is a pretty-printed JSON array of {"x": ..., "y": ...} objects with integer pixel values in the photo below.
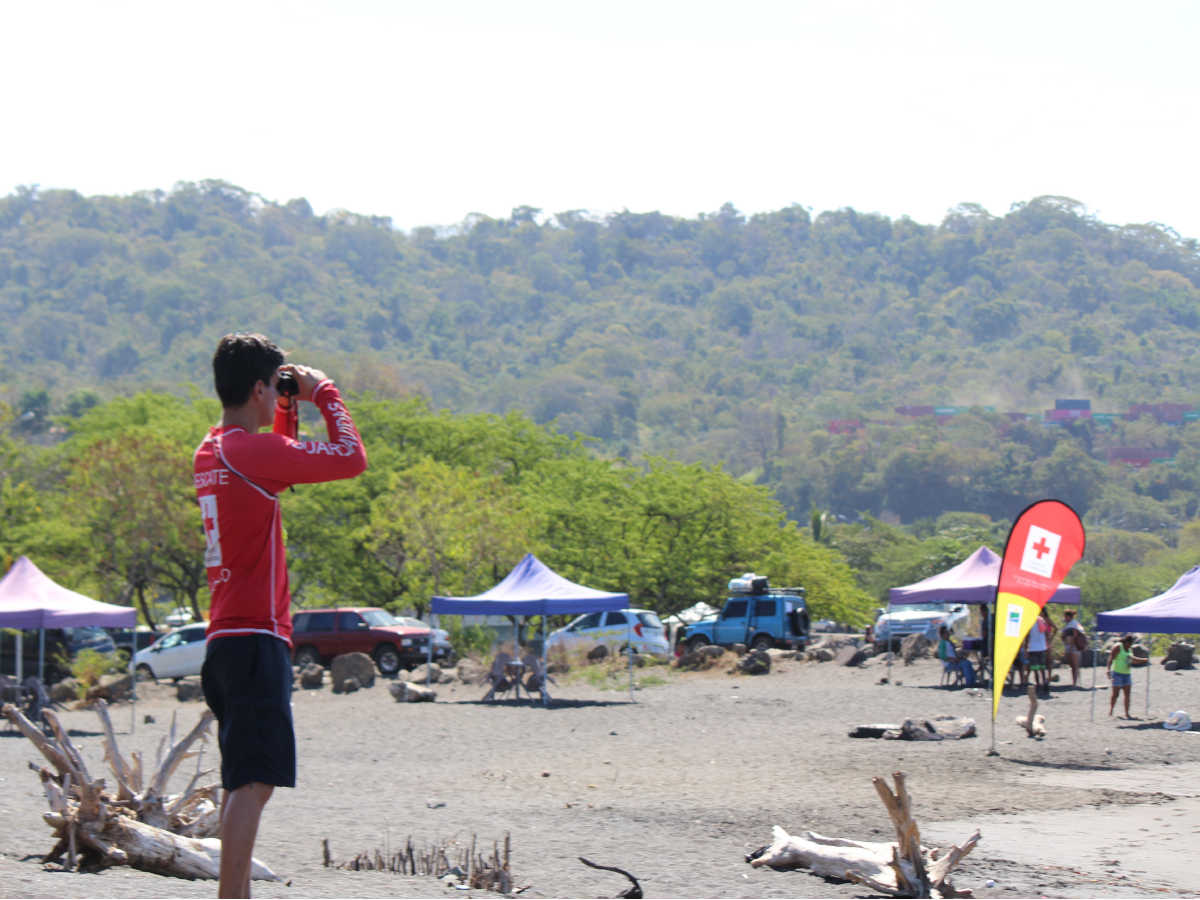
[{"x": 1045, "y": 541}]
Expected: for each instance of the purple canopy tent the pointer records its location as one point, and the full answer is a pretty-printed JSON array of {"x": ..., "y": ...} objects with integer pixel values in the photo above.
[
  {"x": 30, "y": 599},
  {"x": 1174, "y": 611},
  {"x": 534, "y": 589},
  {"x": 973, "y": 581}
]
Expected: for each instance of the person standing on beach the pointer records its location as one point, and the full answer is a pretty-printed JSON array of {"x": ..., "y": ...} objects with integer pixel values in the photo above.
[
  {"x": 1074, "y": 643},
  {"x": 1040, "y": 636},
  {"x": 1120, "y": 676},
  {"x": 238, "y": 475}
]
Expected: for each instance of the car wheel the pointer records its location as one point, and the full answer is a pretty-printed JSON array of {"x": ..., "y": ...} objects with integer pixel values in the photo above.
[
  {"x": 387, "y": 658},
  {"x": 144, "y": 673},
  {"x": 307, "y": 656},
  {"x": 696, "y": 642},
  {"x": 762, "y": 642}
]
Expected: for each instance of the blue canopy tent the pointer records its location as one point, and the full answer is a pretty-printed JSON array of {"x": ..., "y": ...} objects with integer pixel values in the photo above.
[
  {"x": 1174, "y": 611},
  {"x": 532, "y": 589}
]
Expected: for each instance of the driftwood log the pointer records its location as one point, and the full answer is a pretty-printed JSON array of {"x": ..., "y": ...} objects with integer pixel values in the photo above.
[
  {"x": 901, "y": 868},
  {"x": 410, "y": 692},
  {"x": 140, "y": 824}
]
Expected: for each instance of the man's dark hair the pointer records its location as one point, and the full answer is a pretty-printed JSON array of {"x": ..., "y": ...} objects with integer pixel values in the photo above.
[{"x": 241, "y": 361}]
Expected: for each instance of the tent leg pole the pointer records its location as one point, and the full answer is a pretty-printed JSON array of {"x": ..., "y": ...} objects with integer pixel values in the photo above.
[
  {"x": 544, "y": 662},
  {"x": 630, "y": 652},
  {"x": 1148, "y": 667},
  {"x": 429, "y": 651},
  {"x": 1092, "y": 658},
  {"x": 133, "y": 686},
  {"x": 42, "y": 655},
  {"x": 20, "y": 655}
]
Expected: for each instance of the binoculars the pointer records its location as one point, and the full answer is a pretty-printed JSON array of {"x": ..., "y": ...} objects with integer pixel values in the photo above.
[{"x": 287, "y": 385}]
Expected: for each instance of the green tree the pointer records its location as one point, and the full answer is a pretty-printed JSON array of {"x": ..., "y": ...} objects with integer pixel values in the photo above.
[
  {"x": 133, "y": 496},
  {"x": 1069, "y": 475},
  {"x": 442, "y": 530}
]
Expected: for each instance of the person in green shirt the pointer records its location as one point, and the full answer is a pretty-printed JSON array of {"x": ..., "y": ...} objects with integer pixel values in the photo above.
[{"x": 1120, "y": 676}]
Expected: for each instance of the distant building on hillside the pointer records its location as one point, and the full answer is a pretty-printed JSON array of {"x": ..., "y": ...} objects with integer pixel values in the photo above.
[
  {"x": 844, "y": 426},
  {"x": 915, "y": 411},
  {"x": 1138, "y": 457},
  {"x": 1167, "y": 413}
]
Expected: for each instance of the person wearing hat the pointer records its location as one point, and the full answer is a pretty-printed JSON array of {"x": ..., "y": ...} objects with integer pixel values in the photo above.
[{"x": 1119, "y": 674}]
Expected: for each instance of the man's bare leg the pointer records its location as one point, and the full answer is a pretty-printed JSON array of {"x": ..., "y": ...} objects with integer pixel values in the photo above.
[{"x": 240, "y": 815}]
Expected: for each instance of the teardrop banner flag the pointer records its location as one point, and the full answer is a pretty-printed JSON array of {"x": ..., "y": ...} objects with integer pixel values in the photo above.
[{"x": 1045, "y": 541}]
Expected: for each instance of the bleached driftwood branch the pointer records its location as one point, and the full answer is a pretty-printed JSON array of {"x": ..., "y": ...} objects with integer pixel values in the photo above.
[
  {"x": 141, "y": 827},
  {"x": 900, "y": 868}
]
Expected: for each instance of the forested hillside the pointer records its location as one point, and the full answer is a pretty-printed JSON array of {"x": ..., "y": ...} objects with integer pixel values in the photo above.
[{"x": 722, "y": 339}]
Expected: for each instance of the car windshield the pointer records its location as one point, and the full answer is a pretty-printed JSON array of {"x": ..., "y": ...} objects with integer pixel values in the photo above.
[
  {"x": 917, "y": 607},
  {"x": 378, "y": 618},
  {"x": 83, "y": 633},
  {"x": 649, "y": 619}
]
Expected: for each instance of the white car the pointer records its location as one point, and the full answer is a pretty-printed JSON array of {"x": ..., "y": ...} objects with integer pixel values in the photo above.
[
  {"x": 176, "y": 654},
  {"x": 616, "y": 629}
]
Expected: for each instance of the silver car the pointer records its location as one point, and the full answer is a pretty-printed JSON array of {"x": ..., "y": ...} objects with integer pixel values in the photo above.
[
  {"x": 902, "y": 619},
  {"x": 616, "y": 629}
]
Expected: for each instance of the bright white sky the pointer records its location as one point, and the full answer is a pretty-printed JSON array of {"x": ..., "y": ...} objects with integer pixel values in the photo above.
[{"x": 428, "y": 111}]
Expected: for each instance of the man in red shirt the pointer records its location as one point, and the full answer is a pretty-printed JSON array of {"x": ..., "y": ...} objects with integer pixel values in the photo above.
[{"x": 239, "y": 474}]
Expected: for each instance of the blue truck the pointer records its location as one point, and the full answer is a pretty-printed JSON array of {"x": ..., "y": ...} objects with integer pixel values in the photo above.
[{"x": 754, "y": 614}]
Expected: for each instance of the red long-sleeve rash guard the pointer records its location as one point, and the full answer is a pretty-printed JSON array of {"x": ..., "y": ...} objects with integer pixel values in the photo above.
[{"x": 238, "y": 477}]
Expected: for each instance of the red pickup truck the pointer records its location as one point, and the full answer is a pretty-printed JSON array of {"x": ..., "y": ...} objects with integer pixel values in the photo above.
[{"x": 318, "y": 635}]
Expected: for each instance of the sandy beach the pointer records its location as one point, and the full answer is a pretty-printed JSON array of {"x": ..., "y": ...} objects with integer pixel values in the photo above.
[{"x": 679, "y": 785}]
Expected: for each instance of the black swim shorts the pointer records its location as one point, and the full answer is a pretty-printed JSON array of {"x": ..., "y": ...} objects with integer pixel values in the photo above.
[{"x": 247, "y": 681}]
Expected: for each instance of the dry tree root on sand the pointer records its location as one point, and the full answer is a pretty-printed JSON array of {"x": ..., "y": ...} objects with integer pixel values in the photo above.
[
  {"x": 902, "y": 868},
  {"x": 480, "y": 871},
  {"x": 140, "y": 825},
  {"x": 630, "y": 893}
]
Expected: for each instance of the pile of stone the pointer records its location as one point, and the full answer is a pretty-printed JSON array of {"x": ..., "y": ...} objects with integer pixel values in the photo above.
[
  {"x": 701, "y": 658},
  {"x": 352, "y": 672},
  {"x": 1181, "y": 655},
  {"x": 110, "y": 687},
  {"x": 844, "y": 652}
]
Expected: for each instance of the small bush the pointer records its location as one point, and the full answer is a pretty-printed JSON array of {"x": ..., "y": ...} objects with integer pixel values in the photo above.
[
  {"x": 468, "y": 640},
  {"x": 612, "y": 674},
  {"x": 89, "y": 665}
]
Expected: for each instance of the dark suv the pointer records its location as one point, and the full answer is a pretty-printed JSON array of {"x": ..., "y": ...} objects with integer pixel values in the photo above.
[
  {"x": 62, "y": 644},
  {"x": 318, "y": 635}
]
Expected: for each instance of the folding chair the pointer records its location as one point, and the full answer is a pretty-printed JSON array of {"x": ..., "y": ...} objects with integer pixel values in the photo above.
[
  {"x": 952, "y": 675},
  {"x": 538, "y": 676},
  {"x": 498, "y": 677}
]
